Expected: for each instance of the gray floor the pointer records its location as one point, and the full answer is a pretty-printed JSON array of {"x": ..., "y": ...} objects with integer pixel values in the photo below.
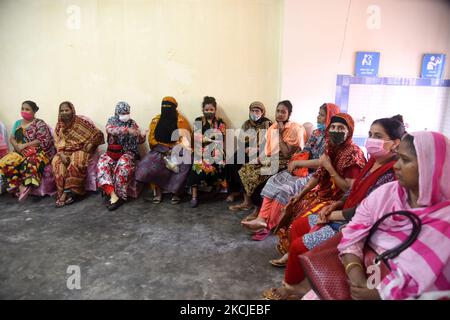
[{"x": 140, "y": 251}]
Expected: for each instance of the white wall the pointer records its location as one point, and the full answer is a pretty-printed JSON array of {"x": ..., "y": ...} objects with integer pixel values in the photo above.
[
  {"x": 317, "y": 44},
  {"x": 139, "y": 51},
  {"x": 235, "y": 50}
]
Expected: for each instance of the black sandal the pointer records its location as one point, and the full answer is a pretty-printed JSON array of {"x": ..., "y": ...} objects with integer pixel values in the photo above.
[{"x": 115, "y": 205}]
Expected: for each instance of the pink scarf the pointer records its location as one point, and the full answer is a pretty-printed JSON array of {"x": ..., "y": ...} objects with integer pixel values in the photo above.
[{"x": 424, "y": 266}]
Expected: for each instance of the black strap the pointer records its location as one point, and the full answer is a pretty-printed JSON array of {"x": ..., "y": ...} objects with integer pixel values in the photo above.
[{"x": 394, "y": 252}]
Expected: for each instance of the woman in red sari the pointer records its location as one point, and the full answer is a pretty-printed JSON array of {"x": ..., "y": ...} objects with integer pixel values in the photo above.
[{"x": 339, "y": 167}]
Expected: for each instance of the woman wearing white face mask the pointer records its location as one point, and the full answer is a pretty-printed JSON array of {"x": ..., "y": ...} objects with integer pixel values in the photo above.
[
  {"x": 249, "y": 140},
  {"x": 119, "y": 162}
]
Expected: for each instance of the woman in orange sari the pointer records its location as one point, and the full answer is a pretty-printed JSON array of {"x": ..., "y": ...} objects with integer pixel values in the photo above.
[
  {"x": 286, "y": 184},
  {"x": 76, "y": 139},
  {"x": 283, "y": 139}
]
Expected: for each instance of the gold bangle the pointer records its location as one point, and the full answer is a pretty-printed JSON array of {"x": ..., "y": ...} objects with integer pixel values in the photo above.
[{"x": 351, "y": 264}]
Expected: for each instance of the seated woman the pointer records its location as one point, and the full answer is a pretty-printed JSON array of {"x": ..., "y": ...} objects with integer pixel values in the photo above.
[
  {"x": 4, "y": 149},
  {"x": 33, "y": 149},
  {"x": 339, "y": 167},
  {"x": 209, "y": 154},
  {"x": 154, "y": 167},
  {"x": 117, "y": 165},
  {"x": 76, "y": 139},
  {"x": 251, "y": 137},
  {"x": 423, "y": 172},
  {"x": 310, "y": 231},
  {"x": 293, "y": 136},
  {"x": 286, "y": 184}
]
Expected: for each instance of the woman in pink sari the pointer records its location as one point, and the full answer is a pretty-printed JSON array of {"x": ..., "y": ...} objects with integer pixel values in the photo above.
[{"x": 423, "y": 188}]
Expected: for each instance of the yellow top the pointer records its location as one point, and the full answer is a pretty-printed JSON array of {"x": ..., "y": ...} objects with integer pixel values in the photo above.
[{"x": 185, "y": 137}]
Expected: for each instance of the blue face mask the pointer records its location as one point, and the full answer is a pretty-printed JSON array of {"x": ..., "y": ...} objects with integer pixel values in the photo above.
[{"x": 321, "y": 126}]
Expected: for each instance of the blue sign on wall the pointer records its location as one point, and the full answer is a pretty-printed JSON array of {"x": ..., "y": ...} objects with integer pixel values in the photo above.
[
  {"x": 367, "y": 64},
  {"x": 433, "y": 65}
]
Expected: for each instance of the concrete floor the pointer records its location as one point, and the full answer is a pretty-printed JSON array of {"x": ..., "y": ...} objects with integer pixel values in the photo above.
[{"x": 140, "y": 251}]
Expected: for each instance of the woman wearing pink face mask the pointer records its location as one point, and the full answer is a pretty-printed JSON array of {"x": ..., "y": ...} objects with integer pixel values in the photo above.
[
  {"x": 33, "y": 149},
  {"x": 308, "y": 232}
]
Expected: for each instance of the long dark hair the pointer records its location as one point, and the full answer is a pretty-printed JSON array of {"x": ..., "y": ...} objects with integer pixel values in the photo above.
[
  {"x": 394, "y": 126},
  {"x": 287, "y": 104},
  {"x": 32, "y": 104}
]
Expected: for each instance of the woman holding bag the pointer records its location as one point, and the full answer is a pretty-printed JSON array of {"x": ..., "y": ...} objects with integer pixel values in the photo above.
[
  {"x": 414, "y": 252},
  {"x": 423, "y": 172},
  {"x": 310, "y": 231}
]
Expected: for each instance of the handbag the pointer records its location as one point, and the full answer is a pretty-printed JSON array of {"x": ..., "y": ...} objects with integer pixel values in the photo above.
[
  {"x": 326, "y": 273},
  {"x": 172, "y": 166},
  {"x": 300, "y": 172},
  {"x": 114, "y": 151}
]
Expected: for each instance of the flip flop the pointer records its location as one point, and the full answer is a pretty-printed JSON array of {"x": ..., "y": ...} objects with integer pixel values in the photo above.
[
  {"x": 157, "y": 200},
  {"x": 59, "y": 204},
  {"x": 175, "y": 200},
  {"x": 69, "y": 200},
  {"x": 229, "y": 199},
  {"x": 261, "y": 235},
  {"x": 23, "y": 195}
]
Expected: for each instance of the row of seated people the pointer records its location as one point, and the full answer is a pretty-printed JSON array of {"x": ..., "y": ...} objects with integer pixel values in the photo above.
[
  {"x": 68, "y": 158},
  {"x": 323, "y": 190}
]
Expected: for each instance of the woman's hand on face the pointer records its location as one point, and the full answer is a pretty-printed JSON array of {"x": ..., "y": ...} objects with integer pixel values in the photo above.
[{"x": 281, "y": 127}]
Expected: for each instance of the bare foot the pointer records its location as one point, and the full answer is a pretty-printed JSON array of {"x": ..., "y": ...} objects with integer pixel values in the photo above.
[
  {"x": 281, "y": 262},
  {"x": 232, "y": 196},
  {"x": 281, "y": 293},
  {"x": 243, "y": 206},
  {"x": 256, "y": 224},
  {"x": 298, "y": 289},
  {"x": 250, "y": 217}
]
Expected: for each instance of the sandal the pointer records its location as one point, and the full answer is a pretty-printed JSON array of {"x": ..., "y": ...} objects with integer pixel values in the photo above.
[
  {"x": 175, "y": 200},
  {"x": 59, "y": 204},
  {"x": 157, "y": 200},
  {"x": 69, "y": 200},
  {"x": 276, "y": 294},
  {"x": 23, "y": 195},
  {"x": 250, "y": 217},
  {"x": 261, "y": 235}
]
